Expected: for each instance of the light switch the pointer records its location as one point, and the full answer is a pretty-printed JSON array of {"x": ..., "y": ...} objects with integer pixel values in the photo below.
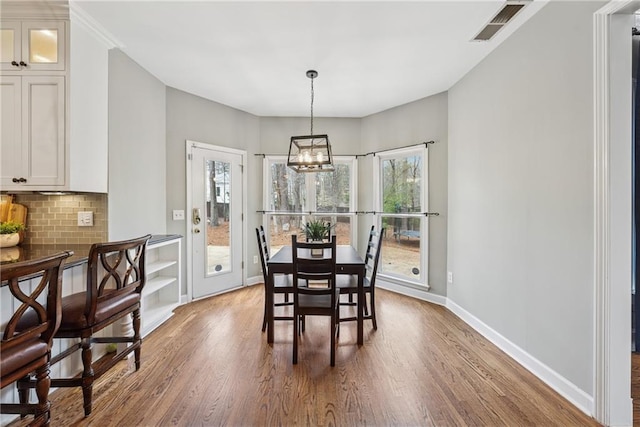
[
  {"x": 85, "y": 219},
  {"x": 178, "y": 215}
]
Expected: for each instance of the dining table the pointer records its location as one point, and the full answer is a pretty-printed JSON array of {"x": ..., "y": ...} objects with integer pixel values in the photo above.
[{"x": 348, "y": 261}]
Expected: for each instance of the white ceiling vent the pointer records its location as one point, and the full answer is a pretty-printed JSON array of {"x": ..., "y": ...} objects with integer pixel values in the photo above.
[{"x": 504, "y": 15}]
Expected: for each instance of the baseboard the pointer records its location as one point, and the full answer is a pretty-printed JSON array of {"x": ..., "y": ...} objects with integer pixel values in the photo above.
[
  {"x": 560, "y": 384},
  {"x": 421, "y": 294},
  {"x": 254, "y": 280}
]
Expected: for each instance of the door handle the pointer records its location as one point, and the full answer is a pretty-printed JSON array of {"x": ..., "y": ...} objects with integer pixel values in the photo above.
[{"x": 196, "y": 216}]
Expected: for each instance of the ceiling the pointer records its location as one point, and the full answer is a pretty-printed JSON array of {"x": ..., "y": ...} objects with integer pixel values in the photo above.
[{"x": 253, "y": 56}]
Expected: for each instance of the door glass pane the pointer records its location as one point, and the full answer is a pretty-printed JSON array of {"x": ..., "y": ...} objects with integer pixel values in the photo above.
[
  {"x": 400, "y": 254},
  {"x": 332, "y": 189},
  {"x": 43, "y": 46},
  {"x": 218, "y": 188},
  {"x": 7, "y": 38},
  {"x": 401, "y": 179},
  {"x": 288, "y": 192}
]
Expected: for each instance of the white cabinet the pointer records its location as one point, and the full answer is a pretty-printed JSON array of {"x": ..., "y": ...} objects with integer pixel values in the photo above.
[
  {"x": 161, "y": 293},
  {"x": 34, "y": 94},
  {"x": 33, "y": 45},
  {"x": 32, "y": 139}
]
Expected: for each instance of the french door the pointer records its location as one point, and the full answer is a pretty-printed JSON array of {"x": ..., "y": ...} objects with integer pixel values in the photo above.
[{"x": 215, "y": 219}]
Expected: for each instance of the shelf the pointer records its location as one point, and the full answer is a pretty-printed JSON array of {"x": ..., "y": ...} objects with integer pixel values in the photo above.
[
  {"x": 161, "y": 293},
  {"x": 154, "y": 317},
  {"x": 157, "y": 283},
  {"x": 154, "y": 266}
]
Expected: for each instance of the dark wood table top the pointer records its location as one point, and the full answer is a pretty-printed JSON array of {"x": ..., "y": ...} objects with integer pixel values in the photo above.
[{"x": 348, "y": 260}]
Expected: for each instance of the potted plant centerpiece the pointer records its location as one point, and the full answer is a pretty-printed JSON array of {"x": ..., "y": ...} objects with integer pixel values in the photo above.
[
  {"x": 317, "y": 230},
  {"x": 10, "y": 233}
]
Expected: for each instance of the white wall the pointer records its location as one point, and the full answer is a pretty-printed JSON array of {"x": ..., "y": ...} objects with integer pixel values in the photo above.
[
  {"x": 137, "y": 147},
  {"x": 521, "y": 191},
  {"x": 413, "y": 123}
]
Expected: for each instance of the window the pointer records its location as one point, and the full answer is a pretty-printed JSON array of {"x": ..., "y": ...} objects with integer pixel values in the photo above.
[
  {"x": 402, "y": 205},
  {"x": 292, "y": 198}
]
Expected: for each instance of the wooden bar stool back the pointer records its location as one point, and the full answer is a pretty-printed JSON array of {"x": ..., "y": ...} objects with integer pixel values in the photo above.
[
  {"x": 115, "y": 279},
  {"x": 33, "y": 289}
]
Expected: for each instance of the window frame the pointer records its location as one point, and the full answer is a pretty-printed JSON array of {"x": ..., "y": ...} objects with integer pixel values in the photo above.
[
  {"x": 422, "y": 281},
  {"x": 309, "y": 210}
]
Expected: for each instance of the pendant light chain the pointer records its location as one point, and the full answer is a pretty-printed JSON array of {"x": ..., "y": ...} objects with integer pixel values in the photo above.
[{"x": 312, "y": 105}]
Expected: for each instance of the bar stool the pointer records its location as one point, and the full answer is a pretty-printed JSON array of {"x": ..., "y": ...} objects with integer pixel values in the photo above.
[
  {"x": 115, "y": 279},
  {"x": 28, "y": 334}
]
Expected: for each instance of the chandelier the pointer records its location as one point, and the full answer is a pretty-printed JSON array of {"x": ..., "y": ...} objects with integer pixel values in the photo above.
[{"x": 310, "y": 153}]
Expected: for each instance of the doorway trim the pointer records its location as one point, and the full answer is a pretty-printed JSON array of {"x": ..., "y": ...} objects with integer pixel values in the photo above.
[
  {"x": 612, "y": 215},
  {"x": 189, "y": 146}
]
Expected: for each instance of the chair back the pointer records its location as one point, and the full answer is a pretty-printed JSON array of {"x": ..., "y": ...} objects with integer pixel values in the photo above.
[
  {"x": 35, "y": 317},
  {"x": 310, "y": 269},
  {"x": 115, "y": 269},
  {"x": 372, "y": 257},
  {"x": 264, "y": 251}
]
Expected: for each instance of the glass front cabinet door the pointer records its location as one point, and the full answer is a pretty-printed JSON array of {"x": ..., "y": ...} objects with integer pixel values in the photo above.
[{"x": 32, "y": 45}]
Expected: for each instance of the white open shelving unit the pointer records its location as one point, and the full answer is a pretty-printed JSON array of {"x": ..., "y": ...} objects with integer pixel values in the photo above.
[{"x": 161, "y": 293}]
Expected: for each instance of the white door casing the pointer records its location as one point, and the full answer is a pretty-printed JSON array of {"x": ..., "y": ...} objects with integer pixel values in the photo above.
[{"x": 214, "y": 219}]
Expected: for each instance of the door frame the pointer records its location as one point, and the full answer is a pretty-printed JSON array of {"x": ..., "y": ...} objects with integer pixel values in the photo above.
[
  {"x": 612, "y": 214},
  {"x": 189, "y": 146}
]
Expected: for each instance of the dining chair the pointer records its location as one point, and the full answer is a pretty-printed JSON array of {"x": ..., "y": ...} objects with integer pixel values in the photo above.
[
  {"x": 115, "y": 279},
  {"x": 348, "y": 284},
  {"x": 314, "y": 288},
  {"x": 282, "y": 282},
  {"x": 34, "y": 290}
]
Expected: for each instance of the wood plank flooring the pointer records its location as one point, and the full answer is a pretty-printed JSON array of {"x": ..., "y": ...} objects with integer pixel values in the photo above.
[
  {"x": 210, "y": 364},
  {"x": 635, "y": 387}
]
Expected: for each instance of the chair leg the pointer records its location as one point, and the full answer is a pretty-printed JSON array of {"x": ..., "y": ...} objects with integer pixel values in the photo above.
[
  {"x": 24, "y": 391},
  {"x": 333, "y": 340},
  {"x": 295, "y": 338},
  {"x": 43, "y": 384},
  {"x": 136, "y": 338},
  {"x": 264, "y": 319},
  {"x": 366, "y": 310},
  {"x": 264, "y": 316},
  {"x": 87, "y": 375},
  {"x": 373, "y": 309}
]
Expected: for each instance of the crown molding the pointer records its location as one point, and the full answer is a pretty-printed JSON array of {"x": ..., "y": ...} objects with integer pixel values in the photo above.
[{"x": 81, "y": 17}]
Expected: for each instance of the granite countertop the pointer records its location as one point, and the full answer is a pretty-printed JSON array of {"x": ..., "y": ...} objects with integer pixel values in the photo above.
[{"x": 80, "y": 251}]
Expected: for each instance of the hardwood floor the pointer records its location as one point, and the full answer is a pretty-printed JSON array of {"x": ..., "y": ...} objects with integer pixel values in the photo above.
[
  {"x": 635, "y": 387},
  {"x": 210, "y": 365}
]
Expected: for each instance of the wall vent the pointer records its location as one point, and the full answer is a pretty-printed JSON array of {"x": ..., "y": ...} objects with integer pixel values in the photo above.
[{"x": 504, "y": 15}]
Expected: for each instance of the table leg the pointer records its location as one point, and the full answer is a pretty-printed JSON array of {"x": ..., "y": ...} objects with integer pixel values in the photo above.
[
  {"x": 269, "y": 303},
  {"x": 361, "y": 307}
]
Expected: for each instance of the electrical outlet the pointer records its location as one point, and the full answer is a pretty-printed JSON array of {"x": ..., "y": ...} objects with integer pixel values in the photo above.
[
  {"x": 178, "y": 215},
  {"x": 255, "y": 259},
  {"x": 85, "y": 219},
  {"x": 450, "y": 277}
]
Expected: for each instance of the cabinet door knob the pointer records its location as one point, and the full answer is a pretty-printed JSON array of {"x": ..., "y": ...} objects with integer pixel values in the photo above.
[
  {"x": 23, "y": 64},
  {"x": 15, "y": 64},
  {"x": 22, "y": 180},
  {"x": 15, "y": 180}
]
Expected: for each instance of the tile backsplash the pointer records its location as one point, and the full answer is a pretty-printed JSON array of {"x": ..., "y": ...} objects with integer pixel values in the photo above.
[{"x": 53, "y": 219}]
